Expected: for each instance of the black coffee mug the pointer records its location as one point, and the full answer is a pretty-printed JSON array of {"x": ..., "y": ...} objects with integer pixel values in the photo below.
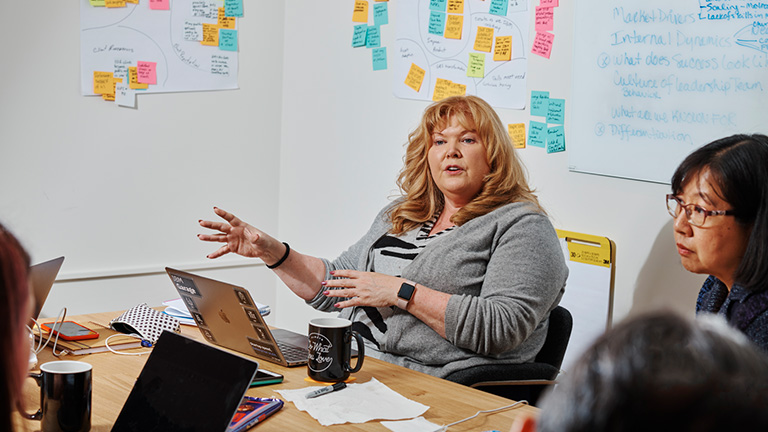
[
  {"x": 65, "y": 396},
  {"x": 330, "y": 349}
]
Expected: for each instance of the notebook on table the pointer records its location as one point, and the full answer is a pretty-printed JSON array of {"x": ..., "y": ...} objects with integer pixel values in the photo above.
[
  {"x": 187, "y": 386},
  {"x": 227, "y": 316},
  {"x": 41, "y": 277}
]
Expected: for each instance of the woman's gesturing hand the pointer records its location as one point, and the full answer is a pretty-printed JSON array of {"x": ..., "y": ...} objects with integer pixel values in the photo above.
[
  {"x": 363, "y": 288},
  {"x": 238, "y": 236}
]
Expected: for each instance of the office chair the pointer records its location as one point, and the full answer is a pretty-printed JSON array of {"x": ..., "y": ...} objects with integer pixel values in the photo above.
[{"x": 524, "y": 381}]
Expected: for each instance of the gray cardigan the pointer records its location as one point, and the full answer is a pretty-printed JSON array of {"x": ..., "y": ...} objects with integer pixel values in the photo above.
[{"x": 505, "y": 271}]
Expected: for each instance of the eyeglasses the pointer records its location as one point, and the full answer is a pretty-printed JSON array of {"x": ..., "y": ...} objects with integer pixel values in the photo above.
[{"x": 695, "y": 214}]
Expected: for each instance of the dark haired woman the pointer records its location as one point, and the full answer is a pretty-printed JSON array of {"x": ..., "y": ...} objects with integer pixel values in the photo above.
[{"x": 720, "y": 206}]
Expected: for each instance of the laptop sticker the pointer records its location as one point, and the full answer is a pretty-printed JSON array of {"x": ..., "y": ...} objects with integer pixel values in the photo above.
[
  {"x": 261, "y": 348},
  {"x": 198, "y": 319},
  {"x": 261, "y": 332},
  {"x": 253, "y": 315},
  {"x": 244, "y": 298},
  {"x": 208, "y": 335},
  {"x": 190, "y": 302},
  {"x": 185, "y": 285}
]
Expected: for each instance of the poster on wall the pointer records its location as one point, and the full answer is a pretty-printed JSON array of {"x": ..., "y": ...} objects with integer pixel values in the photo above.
[
  {"x": 156, "y": 46},
  {"x": 454, "y": 47}
]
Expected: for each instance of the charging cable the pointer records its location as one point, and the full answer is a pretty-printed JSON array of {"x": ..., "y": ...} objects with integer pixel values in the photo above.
[
  {"x": 517, "y": 404},
  {"x": 145, "y": 343},
  {"x": 40, "y": 345}
]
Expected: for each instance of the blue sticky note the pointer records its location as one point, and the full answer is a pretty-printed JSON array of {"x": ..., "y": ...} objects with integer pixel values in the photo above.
[
  {"x": 539, "y": 103},
  {"x": 228, "y": 39},
  {"x": 379, "y": 58},
  {"x": 436, "y": 23},
  {"x": 380, "y": 14},
  {"x": 233, "y": 8},
  {"x": 556, "y": 111},
  {"x": 438, "y": 5},
  {"x": 537, "y": 134},
  {"x": 359, "y": 35},
  {"x": 556, "y": 139},
  {"x": 499, "y": 7},
  {"x": 373, "y": 37}
]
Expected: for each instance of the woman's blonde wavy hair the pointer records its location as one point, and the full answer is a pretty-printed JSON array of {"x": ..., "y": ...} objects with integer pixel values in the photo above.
[{"x": 505, "y": 183}]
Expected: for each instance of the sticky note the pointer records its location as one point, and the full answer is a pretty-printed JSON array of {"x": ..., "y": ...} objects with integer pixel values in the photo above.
[
  {"x": 133, "y": 79},
  {"x": 457, "y": 89},
  {"x": 228, "y": 40},
  {"x": 503, "y": 50},
  {"x": 517, "y": 134},
  {"x": 114, "y": 3},
  {"x": 379, "y": 56},
  {"x": 360, "y": 12},
  {"x": 499, "y": 7},
  {"x": 455, "y": 6},
  {"x": 102, "y": 82},
  {"x": 225, "y": 21},
  {"x": 193, "y": 31},
  {"x": 210, "y": 34},
  {"x": 380, "y": 14},
  {"x": 556, "y": 111},
  {"x": 537, "y": 134},
  {"x": 436, "y": 23},
  {"x": 542, "y": 44},
  {"x": 438, "y": 5},
  {"x": 476, "y": 66},
  {"x": 441, "y": 90},
  {"x": 159, "y": 4},
  {"x": 233, "y": 8},
  {"x": 147, "y": 72},
  {"x": 132, "y": 1},
  {"x": 555, "y": 139},
  {"x": 539, "y": 103},
  {"x": 453, "y": 26},
  {"x": 415, "y": 77},
  {"x": 373, "y": 37},
  {"x": 98, "y": 3},
  {"x": 359, "y": 34},
  {"x": 484, "y": 39},
  {"x": 110, "y": 96},
  {"x": 549, "y": 3},
  {"x": 544, "y": 18},
  {"x": 124, "y": 95}
]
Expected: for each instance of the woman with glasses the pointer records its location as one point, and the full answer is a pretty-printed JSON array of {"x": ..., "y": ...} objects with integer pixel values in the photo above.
[{"x": 720, "y": 206}]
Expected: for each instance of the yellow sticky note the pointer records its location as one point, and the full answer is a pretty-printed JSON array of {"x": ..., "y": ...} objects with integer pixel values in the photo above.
[
  {"x": 133, "y": 79},
  {"x": 453, "y": 26},
  {"x": 210, "y": 35},
  {"x": 226, "y": 22},
  {"x": 455, "y": 6},
  {"x": 132, "y": 1},
  {"x": 503, "y": 51},
  {"x": 97, "y": 3},
  {"x": 360, "y": 14},
  {"x": 457, "y": 89},
  {"x": 442, "y": 89},
  {"x": 587, "y": 249},
  {"x": 517, "y": 134},
  {"x": 415, "y": 77},
  {"x": 484, "y": 39},
  {"x": 114, "y": 3},
  {"x": 102, "y": 82}
]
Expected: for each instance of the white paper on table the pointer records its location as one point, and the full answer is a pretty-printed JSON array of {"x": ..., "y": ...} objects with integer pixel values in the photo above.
[{"x": 419, "y": 424}]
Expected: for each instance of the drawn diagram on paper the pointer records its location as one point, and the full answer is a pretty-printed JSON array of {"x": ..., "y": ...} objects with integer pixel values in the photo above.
[{"x": 115, "y": 39}]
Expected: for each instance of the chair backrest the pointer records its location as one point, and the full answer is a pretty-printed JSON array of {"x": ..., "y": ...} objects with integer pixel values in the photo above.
[{"x": 558, "y": 334}]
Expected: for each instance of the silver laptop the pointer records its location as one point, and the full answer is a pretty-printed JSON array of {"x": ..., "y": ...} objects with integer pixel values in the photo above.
[
  {"x": 42, "y": 276},
  {"x": 227, "y": 316}
]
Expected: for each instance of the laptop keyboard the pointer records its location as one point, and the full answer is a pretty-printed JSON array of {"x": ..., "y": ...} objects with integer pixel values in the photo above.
[{"x": 293, "y": 353}]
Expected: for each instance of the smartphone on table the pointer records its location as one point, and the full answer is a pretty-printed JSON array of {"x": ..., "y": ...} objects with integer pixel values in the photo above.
[
  {"x": 253, "y": 410},
  {"x": 264, "y": 377},
  {"x": 70, "y": 330}
]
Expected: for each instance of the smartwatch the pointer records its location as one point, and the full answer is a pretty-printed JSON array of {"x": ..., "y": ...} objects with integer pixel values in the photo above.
[{"x": 405, "y": 294}]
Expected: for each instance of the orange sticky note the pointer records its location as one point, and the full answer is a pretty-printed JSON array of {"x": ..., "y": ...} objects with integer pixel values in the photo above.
[
  {"x": 226, "y": 22},
  {"x": 133, "y": 79},
  {"x": 132, "y": 1},
  {"x": 484, "y": 39},
  {"x": 517, "y": 134},
  {"x": 102, "y": 82},
  {"x": 455, "y": 6},
  {"x": 147, "y": 72},
  {"x": 453, "y": 26},
  {"x": 415, "y": 77},
  {"x": 457, "y": 89},
  {"x": 442, "y": 89},
  {"x": 503, "y": 50},
  {"x": 210, "y": 35},
  {"x": 111, "y": 95},
  {"x": 114, "y": 3},
  {"x": 360, "y": 13}
]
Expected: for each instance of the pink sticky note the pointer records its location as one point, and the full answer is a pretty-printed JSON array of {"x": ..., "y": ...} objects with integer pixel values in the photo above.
[
  {"x": 159, "y": 4},
  {"x": 544, "y": 18},
  {"x": 549, "y": 3},
  {"x": 147, "y": 72},
  {"x": 542, "y": 45}
]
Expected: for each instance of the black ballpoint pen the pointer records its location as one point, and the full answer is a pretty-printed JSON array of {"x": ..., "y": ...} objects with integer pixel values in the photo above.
[{"x": 324, "y": 390}]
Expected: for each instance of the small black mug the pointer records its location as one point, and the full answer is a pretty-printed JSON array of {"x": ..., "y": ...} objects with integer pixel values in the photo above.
[
  {"x": 330, "y": 349},
  {"x": 65, "y": 396}
]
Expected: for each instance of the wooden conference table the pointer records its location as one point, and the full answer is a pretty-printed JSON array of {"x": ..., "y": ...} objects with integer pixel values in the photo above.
[{"x": 114, "y": 376}]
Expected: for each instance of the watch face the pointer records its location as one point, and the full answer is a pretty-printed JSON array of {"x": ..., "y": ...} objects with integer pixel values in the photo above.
[{"x": 406, "y": 291}]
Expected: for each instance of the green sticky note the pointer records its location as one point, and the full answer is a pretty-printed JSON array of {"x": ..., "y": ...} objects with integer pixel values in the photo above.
[
  {"x": 228, "y": 39},
  {"x": 556, "y": 111},
  {"x": 438, "y": 5},
  {"x": 359, "y": 35},
  {"x": 380, "y": 14},
  {"x": 499, "y": 7},
  {"x": 555, "y": 139},
  {"x": 436, "y": 23},
  {"x": 233, "y": 8},
  {"x": 373, "y": 37},
  {"x": 537, "y": 134},
  {"x": 97, "y": 3},
  {"x": 379, "y": 56},
  {"x": 539, "y": 103},
  {"x": 476, "y": 67}
]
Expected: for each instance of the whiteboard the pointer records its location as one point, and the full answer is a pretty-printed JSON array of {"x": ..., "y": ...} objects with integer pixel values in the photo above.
[{"x": 653, "y": 80}]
